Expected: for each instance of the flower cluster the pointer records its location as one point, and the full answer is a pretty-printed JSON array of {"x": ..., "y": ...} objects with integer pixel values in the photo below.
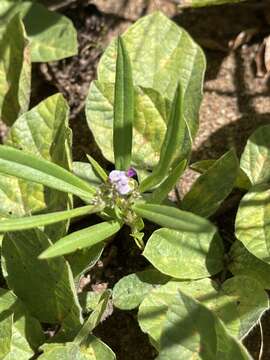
[{"x": 122, "y": 181}]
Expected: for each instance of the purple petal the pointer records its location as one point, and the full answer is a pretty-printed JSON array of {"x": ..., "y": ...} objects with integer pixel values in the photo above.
[
  {"x": 123, "y": 178},
  {"x": 123, "y": 181},
  {"x": 131, "y": 172},
  {"x": 123, "y": 189},
  {"x": 115, "y": 175}
]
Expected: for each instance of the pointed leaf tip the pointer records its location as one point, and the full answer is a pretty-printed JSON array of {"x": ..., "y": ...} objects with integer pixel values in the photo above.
[{"x": 123, "y": 108}]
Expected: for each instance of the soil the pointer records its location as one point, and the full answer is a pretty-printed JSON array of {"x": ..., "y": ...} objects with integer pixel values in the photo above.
[{"x": 236, "y": 101}]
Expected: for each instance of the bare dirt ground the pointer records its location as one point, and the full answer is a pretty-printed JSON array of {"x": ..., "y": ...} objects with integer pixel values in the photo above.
[{"x": 236, "y": 101}]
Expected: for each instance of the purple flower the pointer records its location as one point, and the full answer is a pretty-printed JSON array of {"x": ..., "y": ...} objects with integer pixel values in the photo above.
[{"x": 120, "y": 180}]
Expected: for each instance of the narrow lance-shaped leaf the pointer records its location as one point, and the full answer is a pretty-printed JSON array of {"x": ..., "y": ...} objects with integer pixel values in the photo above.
[
  {"x": 43, "y": 132},
  {"x": 161, "y": 192},
  {"x": 28, "y": 167},
  {"x": 212, "y": 187},
  {"x": 176, "y": 144},
  {"x": 98, "y": 169},
  {"x": 149, "y": 125},
  {"x": 94, "y": 318},
  {"x": 82, "y": 239},
  {"x": 173, "y": 218},
  {"x": 30, "y": 222},
  {"x": 123, "y": 109},
  {"x": 242, "y": 181}
]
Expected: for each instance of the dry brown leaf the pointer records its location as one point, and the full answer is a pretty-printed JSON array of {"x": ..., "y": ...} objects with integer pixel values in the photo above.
[
  {"x": 267, "y": 54},
  {"x": 167, "y": 7},
  {"x": 128, "y": 9},
  {"x": 259, "y": 60},
  {"x": 243, "y": 38}
]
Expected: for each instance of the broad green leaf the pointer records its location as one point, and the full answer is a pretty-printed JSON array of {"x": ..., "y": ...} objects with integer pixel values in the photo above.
[
  {"x": 81, "y": 239},
  {"x": 52, "y": 37},
  {"x": 83, "y": 260},
  {"x": 12, "y": 201},
  {"x": 92, "y": 349},
  {"x": 250, "y": 298},
  {"x": 31, "y": 168},
  {"x": 202, "y": 3},
  {"x": 25, "y": 326},
  {"x": 191, "y": 331},
  {"x": 173, "y": 218},
  {"x": 86, "y": 172},
  {"x": 15, "y": 72},
  {"x": 212, "y": 187},
  {"x": 30, "y": 222},
  {"x": 149, "y": 124},
  {"x": 123, "y": 109},
  {"x": 161, "y": 192},
  {"x": 153, "y": 309},
  {"x": 252, "y": 222},
  {"x": 242, "y": 262},
  {"x": 44, "y": 286},
  {"x": 255, "y": 160},
  {"x": 242, "y": 181},
  {"x": 95, "y": 349},
  {"x": 5, "y": 336},
  {"x": 43, "y": 131},
  {"x": 13, "y": 345},
  {"x": 129, "y": 292},
  {"x": 162, "y": 55},
  {"x": 237, "y": 306},
  {"x": 67, "y": 351},
  {"x": 176, "y": 145},
  {"x": 98, "y": 169},
  {"x": 185, "y": 255}
]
